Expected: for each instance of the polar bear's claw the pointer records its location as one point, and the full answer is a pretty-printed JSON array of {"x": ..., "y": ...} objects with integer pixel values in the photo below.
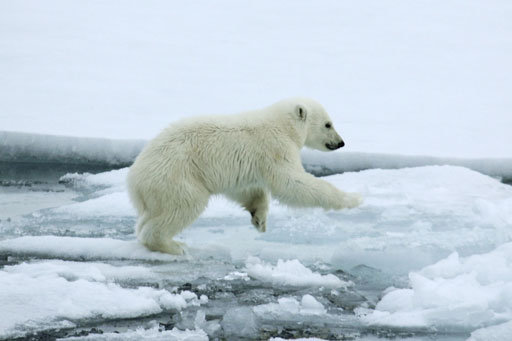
[{"x": 259, "y": 223}]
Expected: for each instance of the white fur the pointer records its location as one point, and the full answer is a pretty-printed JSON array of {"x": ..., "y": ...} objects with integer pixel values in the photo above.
[{"x": 246, "y": 157}]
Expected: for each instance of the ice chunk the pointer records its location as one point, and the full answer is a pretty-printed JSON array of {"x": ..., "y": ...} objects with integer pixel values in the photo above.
[
  {"x": 310, "y": 306},
  {"x": 81, "y": 248},
  {"x": 290, "y": 272},
  {"x": 39, "y": 296},
  {"x": 240, "y": 321},
  {"x": 236, "y": 275},
  {"x": 287, "y": 306},
  {"x": 454, "y": 292},
  {"x": 499, "y": 332},
  {"x": 90, "y": 271},
  {"x": 114, "y": 178}
]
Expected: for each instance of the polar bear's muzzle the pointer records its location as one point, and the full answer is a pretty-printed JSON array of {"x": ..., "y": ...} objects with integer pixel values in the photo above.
[{"x": 334, "y": 146}]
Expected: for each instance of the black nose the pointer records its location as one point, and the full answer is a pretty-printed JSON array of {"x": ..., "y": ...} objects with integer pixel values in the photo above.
[{"x": 341, "y": 144}]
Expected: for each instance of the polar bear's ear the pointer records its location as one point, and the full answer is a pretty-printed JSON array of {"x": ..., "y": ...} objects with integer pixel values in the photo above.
[{"x": 301, "y": 112}]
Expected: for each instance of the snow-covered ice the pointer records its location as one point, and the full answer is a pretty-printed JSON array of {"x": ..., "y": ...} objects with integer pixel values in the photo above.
[
  {"x": 494, "y": 333},
  {"x": 418, "y": 212},
  {"x": 43, "y": 295},
  {"x": 289, "y": 305},
  {"x": 474, "y": 291},
  {"x": 290, "y": 272},
  {"x": 438, "y": 236},
  {"x": 81, "y": 248}
]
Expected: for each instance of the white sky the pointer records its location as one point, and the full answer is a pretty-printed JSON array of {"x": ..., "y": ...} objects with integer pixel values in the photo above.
[{"x": 413, "y": 77}]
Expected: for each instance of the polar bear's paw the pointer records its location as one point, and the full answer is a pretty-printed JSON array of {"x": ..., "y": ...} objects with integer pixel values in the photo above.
[
  {"x": 259, "y": 220},
  {"x": 352, "y": 200},
  {"x": 171, "y": 247}
]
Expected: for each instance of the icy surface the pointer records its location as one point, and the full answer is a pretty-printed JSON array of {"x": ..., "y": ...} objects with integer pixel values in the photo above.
[
  {"x": 290, "y": 306},
  {"x": 454, "y": 292},
  {"x": 429, "y": 248},
  {"x": 418, "y": 212},
  {"x": 290, "y": 272},
  {"x": 81, "y": 248},
  {"x": 495, "y": 333},
  {"x": 39, "y": 296}
]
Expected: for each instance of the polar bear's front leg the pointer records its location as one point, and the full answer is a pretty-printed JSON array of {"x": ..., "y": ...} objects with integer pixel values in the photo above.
[
  {"x": 256, "y": 202},
  {"x": 259, "y": 209},
  {"x": 298, "y": 188}
]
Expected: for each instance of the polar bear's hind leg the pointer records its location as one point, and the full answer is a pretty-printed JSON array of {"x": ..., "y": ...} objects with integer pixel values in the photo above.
[{"x": 157, "y": 232}]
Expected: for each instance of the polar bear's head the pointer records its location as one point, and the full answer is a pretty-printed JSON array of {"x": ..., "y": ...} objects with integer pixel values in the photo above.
[{"x": 318, "y": 126}]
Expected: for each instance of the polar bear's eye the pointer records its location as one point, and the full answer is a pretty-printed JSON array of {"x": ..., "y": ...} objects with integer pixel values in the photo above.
[{"x": 328, "y": 125}]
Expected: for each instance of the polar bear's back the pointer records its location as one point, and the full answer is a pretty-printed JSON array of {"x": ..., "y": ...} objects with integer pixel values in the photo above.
[{"x": 221, "y": 152}]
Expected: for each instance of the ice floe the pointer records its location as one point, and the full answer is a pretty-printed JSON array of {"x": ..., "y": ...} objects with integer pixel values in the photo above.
[
  {"x": 39, "y": 296},
  {"x": 290, "y": 272},
  {"x": 81, "y": 248},
  {"x": 474, "y": 291}
]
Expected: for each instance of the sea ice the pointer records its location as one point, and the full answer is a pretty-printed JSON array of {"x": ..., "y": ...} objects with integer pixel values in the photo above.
[
  {"x": 410, "y": 218},
  {"x": 474, "y": 291},
  {"x": 498, "y": 332},
  {"x": 287, "y": 307},
  {"x": 290, "y": 272},
  {"x": 150, "y": 334},
  {"x": 81, "y": 248},
  {"x": 39, "y": 296}
]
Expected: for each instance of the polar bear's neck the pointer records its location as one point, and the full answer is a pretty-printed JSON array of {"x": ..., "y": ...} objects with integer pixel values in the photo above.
[{"x": 283, "y": 120}]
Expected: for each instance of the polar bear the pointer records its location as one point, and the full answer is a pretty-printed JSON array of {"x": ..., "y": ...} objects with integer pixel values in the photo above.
[{"x": 247, "y": 157}]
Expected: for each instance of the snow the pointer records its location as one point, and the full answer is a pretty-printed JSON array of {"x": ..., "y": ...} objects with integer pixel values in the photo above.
[
  {"x": 403, "y": 78},
  {"x": 290, "y": 272},
  {"x": 81, "y": 248},
  {"x": 410, "y": 218},
  {"x": 456, "y": 292},
  {"x": 113, "y": 204},
  {"x": 39, "y": 295},
  {"x": 114, "y": 178},
  {"x": 447, "y": 229},
  {"x": 494, "y": 333}
]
